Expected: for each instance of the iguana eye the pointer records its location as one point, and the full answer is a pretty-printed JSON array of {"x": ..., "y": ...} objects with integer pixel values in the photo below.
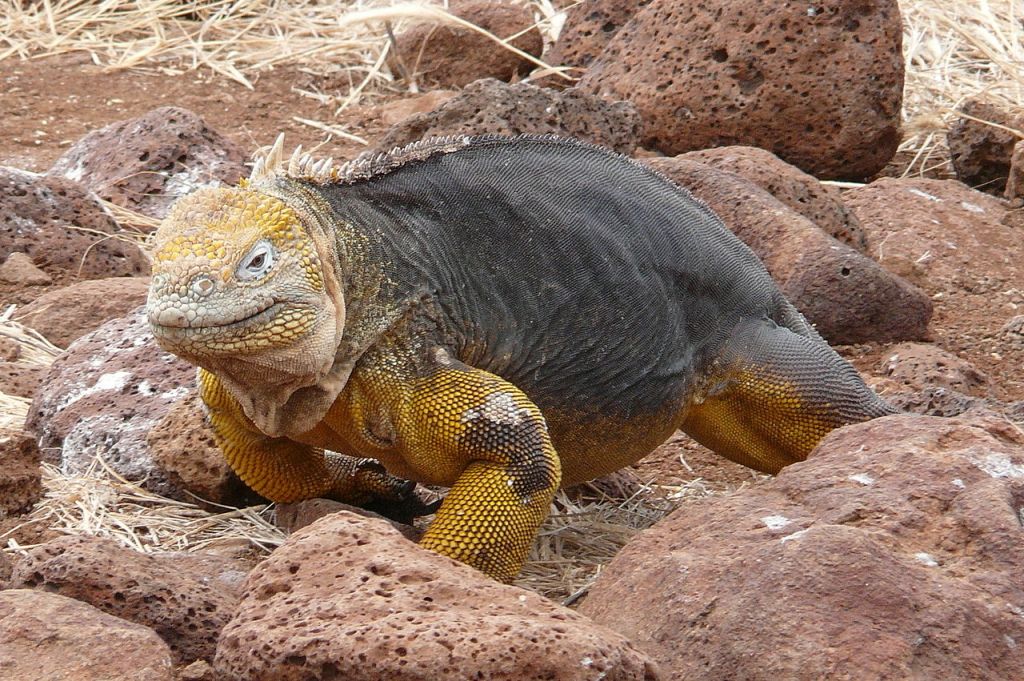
[{"x": 256, "y": 262}]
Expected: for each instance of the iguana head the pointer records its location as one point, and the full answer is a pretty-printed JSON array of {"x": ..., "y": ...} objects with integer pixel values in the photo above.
[{"x": 240, "y": 288}]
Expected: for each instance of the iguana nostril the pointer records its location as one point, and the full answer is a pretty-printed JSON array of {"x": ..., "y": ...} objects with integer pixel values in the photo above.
[{"x": 203, "y": 286}]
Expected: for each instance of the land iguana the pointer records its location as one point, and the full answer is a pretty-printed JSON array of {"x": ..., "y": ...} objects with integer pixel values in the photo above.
[{"x": 501, "y": 315}]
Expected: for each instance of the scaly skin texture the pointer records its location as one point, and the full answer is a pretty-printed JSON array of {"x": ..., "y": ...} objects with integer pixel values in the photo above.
[{"x": 441, "y": 312}]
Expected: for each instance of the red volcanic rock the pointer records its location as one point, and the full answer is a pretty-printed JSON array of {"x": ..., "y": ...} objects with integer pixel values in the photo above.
[
  {"x": 589, "y": 27},
  {"x": 981, "y": 146},
  {"x": 818, "y": 85},
  {"x": 47, "y": 637},
  {"x": 449, "y": 56},
  {"x": 62, "y": 229},
  {"x": 104, "y": 395},
  {"x": 350, "y": 598},
  {"x": 186, "y": 598},
  {"x": 147, "y": 163},
  {"x": 490, "y": 106},
  {"x": 819, "y": 203},
  {"x": 20, "y": 482},
  {"x": 64, "y": 314},
  {"x": 893, "y": 552}
]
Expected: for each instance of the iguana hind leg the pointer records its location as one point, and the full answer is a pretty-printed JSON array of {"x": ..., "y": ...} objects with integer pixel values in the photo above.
[{"x": 770, "y": 395}]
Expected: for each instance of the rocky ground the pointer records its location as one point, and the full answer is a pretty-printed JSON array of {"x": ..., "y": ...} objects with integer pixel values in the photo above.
[{"x": 893, "y": 552}]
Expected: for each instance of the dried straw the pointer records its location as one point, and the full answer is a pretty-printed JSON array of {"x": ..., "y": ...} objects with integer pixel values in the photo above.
[
  {"x": 234, "y": 38},
  {"x": 956, "y": 49},
  {"x": 101, "y": 503},
  {"x": 582, "y": 535}
]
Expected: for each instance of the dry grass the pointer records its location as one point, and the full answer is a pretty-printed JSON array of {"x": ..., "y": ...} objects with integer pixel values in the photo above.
[
  {"x": 234, "y": 38},
  {"x": 33, "y": 350},
  {"x": 99, "y": 502},
  {"x": 956, "y": 49}
]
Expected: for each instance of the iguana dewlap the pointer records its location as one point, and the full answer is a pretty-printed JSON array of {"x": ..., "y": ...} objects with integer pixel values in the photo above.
[{"x": 499, "y": 315}]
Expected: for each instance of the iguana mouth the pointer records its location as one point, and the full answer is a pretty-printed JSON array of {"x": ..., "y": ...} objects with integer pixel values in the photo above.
[{"x": 173, "y": 318}]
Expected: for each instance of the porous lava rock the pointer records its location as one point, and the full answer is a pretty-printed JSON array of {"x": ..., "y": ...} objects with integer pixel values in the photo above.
[
  {"x": 21, "y": 379},
  {"x": 588, "y": 28},
  {"x": 350, "y": 598},
  {"x": 964, "y": 248},
  {"x": 818, "y": 85},
  {"x": 296, "y": 515},
  {"x": 186, "y": 598},
  {"x": 103, "y": 396},
  {"x": 67, "y": 313},
  {"x": 147, "y": 163},
  {"x": 819, "y": 203},
  {"x": 919, "y": 365},
  {"x": 847, "y": 296},
  {"x": 450, "y": 56},
  {"x": 19, "y": 269},
  {"x": 62, "y": 229},
  {"x": 20, "y": 482},
  {"x": 1015, "y": 181},
  {"x": 981, "y": 145},
  {"x": 894, "y": 551},
  {"x": 10, "y": 349},
  {"x": 182, "y": 446},
  {"x": 397, "y": 110},
  {"x": 48, "y": 637},
  {"x": 491, "y": 106}
]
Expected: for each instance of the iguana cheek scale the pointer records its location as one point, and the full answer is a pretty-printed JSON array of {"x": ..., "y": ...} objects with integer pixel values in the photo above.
[{"x": 499, "y": 315}]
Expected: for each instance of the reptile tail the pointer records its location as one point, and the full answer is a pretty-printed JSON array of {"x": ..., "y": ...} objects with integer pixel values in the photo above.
[{"x": 771, "y": 394}]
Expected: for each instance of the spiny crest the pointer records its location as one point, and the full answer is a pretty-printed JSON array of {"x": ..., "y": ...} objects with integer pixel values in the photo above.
[{"x": 303, "y": 166}]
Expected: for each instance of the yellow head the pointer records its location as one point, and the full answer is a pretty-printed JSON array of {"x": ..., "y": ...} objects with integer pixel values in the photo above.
[{"x": 242, "y": 286}]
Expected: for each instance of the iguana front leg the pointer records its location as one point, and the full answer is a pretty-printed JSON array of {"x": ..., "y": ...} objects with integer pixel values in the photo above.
[
  {"x": 283, "y": 470},
  {"x": 488, "y": 435}
]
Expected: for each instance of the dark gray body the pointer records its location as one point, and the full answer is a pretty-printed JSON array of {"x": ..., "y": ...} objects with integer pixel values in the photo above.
[{"x": 589, "y": 281}]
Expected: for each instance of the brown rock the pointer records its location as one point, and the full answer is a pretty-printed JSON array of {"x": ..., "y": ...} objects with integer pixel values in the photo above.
[
  {"x": 21, "y": 379},
  {"x": 293, "y": 517},
  {"x": 490, "y": 106},
  {"x": 819, "y": 86},
  {"x": 893, "y": 552},
  {"x": 935, "y": 401},
  {"x": 46, "y": 637},
  {"x": 64, "y": 314},
  {"x": 981, "y": 151},
  {"x": 435, "y": 55},
  {"x": 19, "y": 269},
  {"x": 350, "y": 598},
  {"x": 200, "y": 670},
  {"x": 1015, "y": 180},
  {"x": 589, "y": 26},
  {"x": 104, "y": 395},
  {"x": 20, "y": 482},
  {"x": 186, "y": 598},
  {"x": 396, "y": 111},
  {"x": 848, "y": 297},
  {"x": 920, "y": 366},
  {"x": 939, "y": 234},
  {"x": 61, "y": 227},
  {"x": 146, "y": 163},
  {"x": 819, "y": 203},
  {"x": 182, "y": 446},
  {"x": 10, "y": 349},
  {"x": 6, "y": 566}
]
